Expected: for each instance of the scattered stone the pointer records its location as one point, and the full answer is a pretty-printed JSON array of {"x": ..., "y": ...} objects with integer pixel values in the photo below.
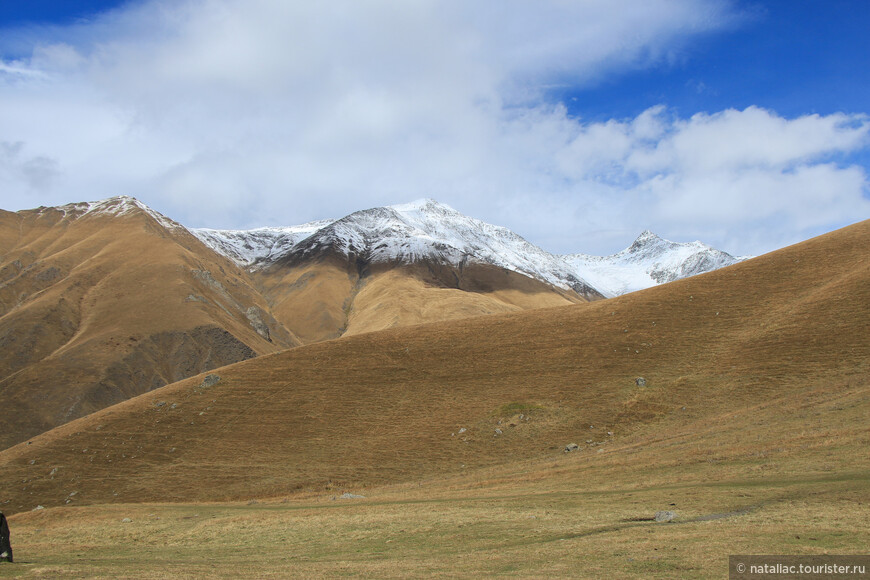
[
  {"x": 640, "y": 381},
  {"x": 126, "y": 521},
  {"x": 348, "y": 495},
  {"x": 37, "y": 508},
  {"x": 571, "y": 447},
  {"x": 53, "y": 471},
  {"x": 159, "y": 403},
  {"x": 498, "y": 432},
  {"x": 463, "y": 430},
  {"x": 665, "y": 516},
  {"x": 209, "y": 381},
  {"x": 173, "y": 405}
]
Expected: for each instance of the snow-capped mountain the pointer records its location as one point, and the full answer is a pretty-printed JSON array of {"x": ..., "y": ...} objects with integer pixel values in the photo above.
[
  {"x": 649, "y": 261},
  {"x": 428, "y": 230},
  {"x": 115, "y": 206},
  {"x": 258, "y": 246}
]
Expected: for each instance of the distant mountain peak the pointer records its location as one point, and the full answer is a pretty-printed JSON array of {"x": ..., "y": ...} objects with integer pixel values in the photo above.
[
  {"x": 118, "y": 205},
  {"x": 644, "y": 240},
  {"x": 648, "y": 261},
  {"x": 422, "y": 204},
  {"x": 646, "y": 236}
]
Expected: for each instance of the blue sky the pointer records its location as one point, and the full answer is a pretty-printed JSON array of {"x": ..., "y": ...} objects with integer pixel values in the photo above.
[
  {"x": 740, "y": 123},
  {"x": 23, "y": 12}
]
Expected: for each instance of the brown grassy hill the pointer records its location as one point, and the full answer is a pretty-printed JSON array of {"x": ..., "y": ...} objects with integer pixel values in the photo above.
[
  {"x": 332, "y": 296},
  {"x": 101, "y": 302},
  {"x": 97, "y": 307},
  {"x": 723, "y": 356}
]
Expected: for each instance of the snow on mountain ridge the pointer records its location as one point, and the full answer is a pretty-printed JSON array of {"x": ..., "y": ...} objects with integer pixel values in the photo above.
[
  {"x": 261, "y": 245},
  {"x": 650, "y": 260},
  {"x": 115, "y": 206},
  {"x": 428, "y": 230}
]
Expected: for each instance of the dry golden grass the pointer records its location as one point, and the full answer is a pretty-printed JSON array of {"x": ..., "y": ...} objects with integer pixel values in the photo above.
[
  {"x": 331, "y": 297},
  {"x": 578, "y": 516},
  {"x": 410, "y": 296},
  {"x": 753, "y": 424}
]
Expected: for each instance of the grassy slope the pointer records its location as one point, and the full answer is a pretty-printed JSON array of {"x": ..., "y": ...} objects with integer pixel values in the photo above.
[
  {"x": 753, "y": 424},
  {"x": 331, "y": 297},
  {"x": 388, "y": 406},
  {"x": 92, "y": 310}
]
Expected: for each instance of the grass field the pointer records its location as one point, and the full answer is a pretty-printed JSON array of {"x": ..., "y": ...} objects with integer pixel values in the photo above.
[
  {"x": 402, "y": 533},
  {"x": 797, "y": 486}
]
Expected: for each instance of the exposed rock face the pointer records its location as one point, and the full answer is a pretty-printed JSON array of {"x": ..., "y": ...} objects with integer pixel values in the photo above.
[
  {"x": 168, "y": 357},
  {"x": 255, "y": 316}
]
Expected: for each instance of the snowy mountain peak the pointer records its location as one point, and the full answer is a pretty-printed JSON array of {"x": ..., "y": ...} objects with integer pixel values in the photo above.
[
  {"x": 115, "y": 206},
  {"x": 425, "y": 204},
  {"x": 428, "y": 230},
  {"x": 650, "y": 260},
  {"x": 646, "y": 237},
  {"x": 249, "y": 248}
]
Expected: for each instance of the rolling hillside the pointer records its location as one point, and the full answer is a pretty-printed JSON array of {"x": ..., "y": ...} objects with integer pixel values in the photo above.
[
  {"x": 723, "y": 356},
  {"x": 103, "y": 301}
]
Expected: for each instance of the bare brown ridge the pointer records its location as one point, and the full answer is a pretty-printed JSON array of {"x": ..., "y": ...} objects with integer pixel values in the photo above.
[{"x": 406, "y": 403}]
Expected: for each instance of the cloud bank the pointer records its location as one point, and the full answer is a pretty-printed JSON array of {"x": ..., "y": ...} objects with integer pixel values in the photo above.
[{"x": 238, "y": 114}]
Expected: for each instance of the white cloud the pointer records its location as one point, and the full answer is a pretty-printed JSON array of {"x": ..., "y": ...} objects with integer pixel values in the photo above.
[{"x": 235, "y": 114}]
